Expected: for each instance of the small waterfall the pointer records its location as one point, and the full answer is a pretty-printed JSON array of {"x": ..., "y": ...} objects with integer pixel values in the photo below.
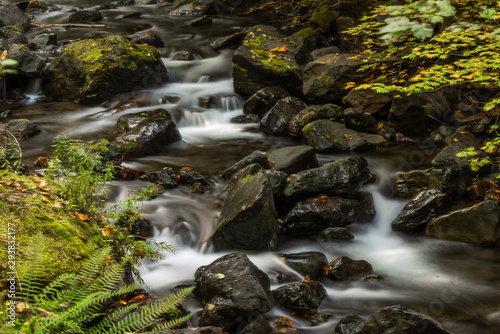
[
  {"x": 230, "y": 103},
  {"x": 204, "y": 78}
]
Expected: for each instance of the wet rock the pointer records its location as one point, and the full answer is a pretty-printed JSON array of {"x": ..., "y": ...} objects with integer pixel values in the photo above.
[
  {"x": 37, "y": 7},
  {"x": 478, "y": 224},
  {"x": 85, "y": 16},
  {"x": 314, "y": 215},
  {"x": 146, "y": 133},
  {"x": 424, "y": 207},
  {"x": 325, "y": 79},
  {"x": 150, "y": 38},
  {"x": 123, "y": 102},
  {"x": 203, "y": 7},
  {"x": 91, "y": 71},
  {"x": 199, "y": 182},
  {"x": 302, "y": 298},
  {"x": 350, "y": 324},
  {"x": 253, "y": 69},
  {"x": 293, "y": 159},
  {"x": 399, "y": 319},
  {"x": 256, "y": 325},
  {"x": 342, "y": 177},
  {"x": 232, "y": 289},
  {"x": 200, "y": 21},
  {"x": 336, "y": 233},
  {"x": 23, "y": 128},
  {"x": 245, "y": 119},
  {"x": 448, "y": 155},
  {"x": 367, "y": 211},
  {"x": 10, "y": 35},
  {"x": 315, "y": 112},
  {"x": 277, "y": 180},
  {"x": 276, "y": 120},
  {"x": 453, "y": 181},
  {"x": 327, "y": 136},
  {"x": 11, "y": 15},
  {"x": 29, "y": 64},
  {"x": 262, "y": 101},
  {"x": 307, "y": 263},
  {"x": 228, "y": 41},
  {"x": 42, "y": 41},
  {"x": 136, "y": 225},
  {"x": 410, "y": 114},
  {"x": 165, "y": 177},
  {"x": 126, "y": 173},
  {"x": 183, "y": 56},
  {"x": 248, "y": 219},
  {"x": 369, "y": 101},
  {"x": 344, "y": 268},
  {"x": 318, "y": 53},
  {"x": 358, "y": 120},
  {"x": 257, "y": 157}
]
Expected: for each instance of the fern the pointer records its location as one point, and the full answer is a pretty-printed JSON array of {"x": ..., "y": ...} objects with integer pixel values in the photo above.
[{"x": 74, "y": 303}]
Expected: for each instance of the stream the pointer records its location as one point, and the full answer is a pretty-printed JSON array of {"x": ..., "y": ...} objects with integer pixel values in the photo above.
[{"x": 455, "y": 283}]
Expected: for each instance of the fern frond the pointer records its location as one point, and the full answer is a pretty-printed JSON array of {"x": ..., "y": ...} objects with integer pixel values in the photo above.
[
  {"x": 172, "y": 324},
  {"x": 31, "y": 281},
  {"x": 150, "y": 312}
]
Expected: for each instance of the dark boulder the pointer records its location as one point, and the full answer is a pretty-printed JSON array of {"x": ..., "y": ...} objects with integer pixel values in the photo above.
[
  {"x": 85, "y": 16},
  {"x": 43, "y": 41},
  {"x": 245, "y": 119},
  {"x": 336, "y": 233},
  {"x": 276, "y": 120},
  {"x": 301, "y": 298},
  {"x": 268, "y": 58},
  {"x": 420, "y": 113},
  {"x": 257, "y": 157},
  {"x": 478, "y": 224},
  {"x": 145, "y": 133},
  {"x": 150, "y": 38},
  {"x": 200, "y": 21},
  {"x": 10, "y": 35},
  {"x": 203, "y": 7},
  {"x": 228, "y": 41},
  {"x": 256, "y": 325},
  {"x": 424, "y": 207},
  {"x": 315, "y": 112},
  {"x": 199, "y": 183},
  {"x": 165, "y": 177},
  {"x": 343, "y": 268},
  {"x": 325, "y": 78},
  {"x": 448, "y": 155},
  {"x": 359, "y": 120},
  {"x": 23, "y": 128},
  {"x": 11, "y": 15},
  {"x": 453, "y": 181},
  {"x": 367, "y": 210},
  {"x": 309, "y": 264},
  {"x": 262, "y": 101},
  {"x": 350, "y": 324},
  {"x": 401, "y": 320},
  {"x": 91, "y": 71},
  {"x": 369, "y": 101},
  {"x": 342, "y": 177},
  {"x": 293, "y": 159},
  {"x": 233, "y": 289},
  {"x": 29, "y": 64},
  {"x": 314, "y": 215},
  {"x": 248, "y": 219},
  {"x": 201, "y": 330},
  {"x": 327, "y": 136},
  {"x": 126, "y": 173}
]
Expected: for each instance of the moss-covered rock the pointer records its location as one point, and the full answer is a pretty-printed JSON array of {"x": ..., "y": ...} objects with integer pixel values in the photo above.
[
  {"x": 91, "y": 71},
  {"x": 26, "y": 210}
]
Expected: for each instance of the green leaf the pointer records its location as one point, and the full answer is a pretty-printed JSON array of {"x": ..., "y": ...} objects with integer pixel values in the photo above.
[
  {"x": 422, "y": 30},
  {"x": 8, "y": 62}
]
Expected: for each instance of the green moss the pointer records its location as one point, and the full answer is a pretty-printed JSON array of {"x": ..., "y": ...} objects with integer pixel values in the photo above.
[
  {"x": 125, "y": 147},
  {"x": 276, "y": 62},
  {"x": 306, "y": 32},
  {"x": 101, "y": 57},
  {"x": 323, "y": 80},
  {"x": 324, "y": 16},
  {"x": 308, "y": 130},
  {"x": 28, "y": 210},
  {"x": 239, "y": 71},
  {"x": 184, "y": 2},
  {"x": 308, "y": 118},
  {"x": 247, "y": 178},
  {"x": 5, "y": 31}
]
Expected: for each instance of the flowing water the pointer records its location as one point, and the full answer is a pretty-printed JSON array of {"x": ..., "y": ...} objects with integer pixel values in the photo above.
[{"x": 453, "y": 282}]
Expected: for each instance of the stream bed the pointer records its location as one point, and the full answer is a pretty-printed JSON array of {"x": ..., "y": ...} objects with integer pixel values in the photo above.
[{"x": 455, "y": 283}]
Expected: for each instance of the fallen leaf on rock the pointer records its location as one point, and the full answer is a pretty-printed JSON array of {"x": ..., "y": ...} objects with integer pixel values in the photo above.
[
  {"x": 45, "y": 199},
  {"x": 280, "y": 49},
  {"x": 57, "y": 205},
  {"x": 107, "y": 231},
  {"x": 210, "y": 307},
  {"x": 77, "y": 256},
  {"x": 81, "y": 216}
]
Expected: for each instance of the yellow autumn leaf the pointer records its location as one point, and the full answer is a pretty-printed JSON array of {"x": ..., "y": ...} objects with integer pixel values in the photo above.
[
  {"x": 81, "y": 216},
  {"x": 4, "y": 55},
  {"x": 57, "y": 205},
  {"x": 220, "y": 275},
  {"x": 45, "y": 199},
  {"x": 107, "y": 231},
  {"x": 280, "y": 49},
  {"x": 350, "y": 85}
]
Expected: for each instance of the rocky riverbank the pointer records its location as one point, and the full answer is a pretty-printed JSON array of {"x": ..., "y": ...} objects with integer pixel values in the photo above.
[{"x": 295, "y": 79}]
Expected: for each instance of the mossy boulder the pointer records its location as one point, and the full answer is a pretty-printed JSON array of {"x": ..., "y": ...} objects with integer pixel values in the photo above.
[
  {"x": 269, "y": 58},
  {"x": 26, "y": 210},
  {"x": 91, "y": 71},
  {"x": 315, "y": 112}
]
